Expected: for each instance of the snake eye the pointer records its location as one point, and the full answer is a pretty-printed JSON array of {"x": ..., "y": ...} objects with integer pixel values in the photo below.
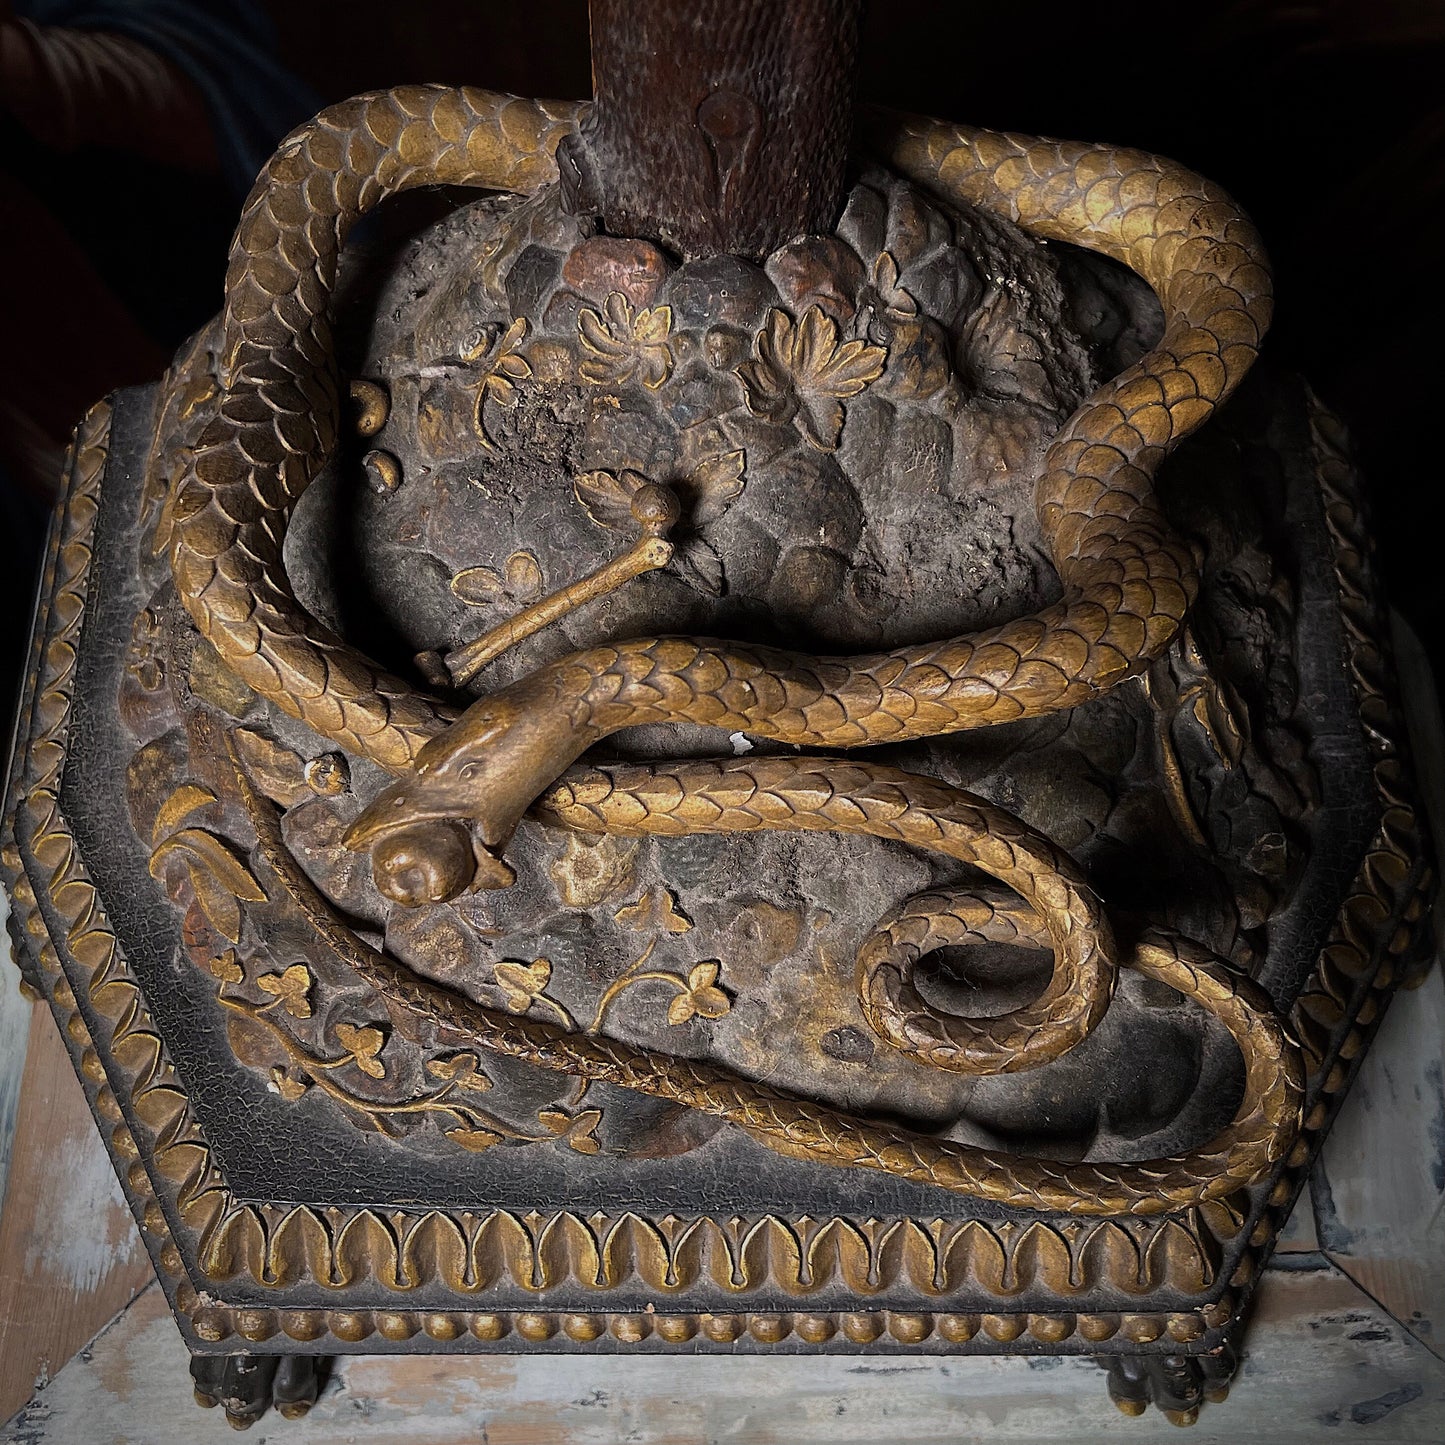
[{"x": 469, "y": 772}]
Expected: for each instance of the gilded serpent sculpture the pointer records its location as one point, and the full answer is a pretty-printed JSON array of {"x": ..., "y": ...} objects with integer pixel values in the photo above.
[{"x": 463, "y": 784}]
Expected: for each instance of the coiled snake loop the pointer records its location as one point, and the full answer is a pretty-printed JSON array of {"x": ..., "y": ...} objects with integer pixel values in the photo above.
[{"x": 1127, "y": 582}]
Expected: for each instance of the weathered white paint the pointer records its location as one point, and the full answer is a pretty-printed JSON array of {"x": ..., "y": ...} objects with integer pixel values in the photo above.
[
  {"x": 89, "y": 1231},
  {"x": 14, "y": 1031}
]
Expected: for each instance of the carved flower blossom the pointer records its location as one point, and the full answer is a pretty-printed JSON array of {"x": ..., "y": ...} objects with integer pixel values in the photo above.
[
  {"x": 702, "y": 998},
  {"x": 592, "y": 868},
  {"x": 624, "y": 343},
  {"x": 802, "y": 372},
  {"x": 656, "y": 910}
]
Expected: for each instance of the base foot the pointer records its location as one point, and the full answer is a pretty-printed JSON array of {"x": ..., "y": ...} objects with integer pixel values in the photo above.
[
  {"x": 246, "y": 1385},
  {"x": 1177, "y": 1384}
]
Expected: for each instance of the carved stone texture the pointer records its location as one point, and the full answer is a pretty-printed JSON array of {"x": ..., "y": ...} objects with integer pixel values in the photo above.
[{"x": 720, "y": 127}]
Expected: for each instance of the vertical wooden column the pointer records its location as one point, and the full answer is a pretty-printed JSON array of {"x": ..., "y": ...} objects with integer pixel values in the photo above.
[{"x": 719, "y": 125}]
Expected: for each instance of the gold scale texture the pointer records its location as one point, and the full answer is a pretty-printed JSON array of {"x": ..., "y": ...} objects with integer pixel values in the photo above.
[{"x": 268, "y": 428}]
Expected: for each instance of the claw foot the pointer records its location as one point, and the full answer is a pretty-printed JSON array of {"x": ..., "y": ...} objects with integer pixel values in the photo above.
[
  {"x": 1177, "y": 1384},
  {"x": 245, "y": 1385}
]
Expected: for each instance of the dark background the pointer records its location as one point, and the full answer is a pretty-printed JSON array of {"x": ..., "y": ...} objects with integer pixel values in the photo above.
[{"x": 1326, "y": 121}]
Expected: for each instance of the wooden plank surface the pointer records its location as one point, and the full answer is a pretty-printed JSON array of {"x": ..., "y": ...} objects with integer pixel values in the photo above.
[
  {"x": 14, "y": 1032},
  {"x": 70, "y": 1253},
  {"x": 1325, "y": 1364}
]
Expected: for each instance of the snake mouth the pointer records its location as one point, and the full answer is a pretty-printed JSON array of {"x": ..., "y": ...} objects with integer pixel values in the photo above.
[
  {"x": 424, "y": 855},
  {"x": 389, "y": 812}
]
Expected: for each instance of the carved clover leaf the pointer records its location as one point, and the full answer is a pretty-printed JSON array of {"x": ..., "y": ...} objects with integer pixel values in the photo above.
[
  {"x": 291, "y": 989},
  {"x": 227, "y": 967},
  {"x": 474, "y": 1140},
  {"x": 520, "y": 580},
  {"x": 290, "y": 1086},
  {"x": 803, "y": 371},
  {"x": 702, "y": 998},
  {"x": 363, "y": 1044},
  {"x": 624, "y": 343},
  {"x": 463, "y": 1071},
  {"x": 522, "y": 983},
  {"x": 656, "y": 910},
  {"x": 578, "y": 1130}
]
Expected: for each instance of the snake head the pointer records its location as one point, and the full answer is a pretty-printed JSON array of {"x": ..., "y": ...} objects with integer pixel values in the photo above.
[{"x": 436, "y": 832}]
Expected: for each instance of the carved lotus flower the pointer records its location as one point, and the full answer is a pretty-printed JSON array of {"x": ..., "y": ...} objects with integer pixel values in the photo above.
[
  {"x": 802, "y": 371},
  {"x": 623, "y": 343}
]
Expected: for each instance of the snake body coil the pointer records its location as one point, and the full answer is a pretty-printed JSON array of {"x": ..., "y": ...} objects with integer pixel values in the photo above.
[
  {"x": 840, "y": 796},
  {"x": 1127, "y": 582}
]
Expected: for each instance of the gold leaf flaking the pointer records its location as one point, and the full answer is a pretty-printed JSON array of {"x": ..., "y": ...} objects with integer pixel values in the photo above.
[
  {"x": 702, "y": 998},
  {"x": 656, "y": 909},
  {"x": 292, "y": 988},
  {"x": 623, "y": 344},
  {"x": 802, "y": 370},
  {"x": 363, "y": 1044},
  {"x": 522, "y": 983},
  {"x": 290, "y": 1086}
]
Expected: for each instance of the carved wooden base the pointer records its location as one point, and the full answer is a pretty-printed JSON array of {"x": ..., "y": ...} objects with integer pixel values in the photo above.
[{"x": 316, "y": 1173}]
